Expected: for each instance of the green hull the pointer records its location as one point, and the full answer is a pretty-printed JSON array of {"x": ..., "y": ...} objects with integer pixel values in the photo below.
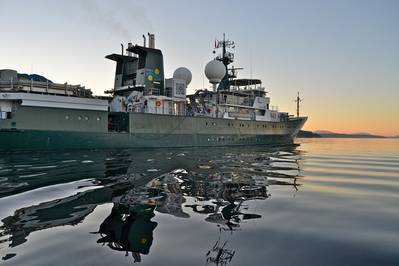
[
  {"x": 97, "y": 130},
  {"x": 52, "y": 140}
]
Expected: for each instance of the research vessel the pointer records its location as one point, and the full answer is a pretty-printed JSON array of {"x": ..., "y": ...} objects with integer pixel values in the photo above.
[{"x": 143, "y": 109}]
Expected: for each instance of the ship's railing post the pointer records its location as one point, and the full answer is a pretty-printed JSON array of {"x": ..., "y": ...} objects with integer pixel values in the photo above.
[
  {"x": 31, "y": 85},
  {"x": 12, "y": 83}
]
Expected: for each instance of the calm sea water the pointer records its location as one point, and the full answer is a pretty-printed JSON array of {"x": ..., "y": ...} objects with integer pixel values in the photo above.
[{"x": 324, "y": 202}]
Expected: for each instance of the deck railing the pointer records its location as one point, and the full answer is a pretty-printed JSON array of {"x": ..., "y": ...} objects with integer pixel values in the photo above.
[{"x": 44, "y": 88}]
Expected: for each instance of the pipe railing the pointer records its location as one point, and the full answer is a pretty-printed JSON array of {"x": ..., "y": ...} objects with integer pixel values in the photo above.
[{"x": 43, "y": 87}]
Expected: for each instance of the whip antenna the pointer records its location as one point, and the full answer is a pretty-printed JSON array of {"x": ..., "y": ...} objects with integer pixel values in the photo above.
[{"x": 298, "y": 100}]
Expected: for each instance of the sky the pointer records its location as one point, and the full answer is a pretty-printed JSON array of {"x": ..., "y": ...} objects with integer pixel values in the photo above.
[{"x": 342, "y": 56}]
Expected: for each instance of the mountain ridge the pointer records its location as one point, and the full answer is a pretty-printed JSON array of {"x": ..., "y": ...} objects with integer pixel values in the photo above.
[{"x": 330, "y": 134}]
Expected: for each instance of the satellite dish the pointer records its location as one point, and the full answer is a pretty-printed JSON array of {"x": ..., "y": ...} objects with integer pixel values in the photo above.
[
  {"x": 215, "y": 71},
  {"x": 183, "y": 73}
]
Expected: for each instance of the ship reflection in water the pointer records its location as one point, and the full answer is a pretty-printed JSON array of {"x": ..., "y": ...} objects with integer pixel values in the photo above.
[
  {"x": 216, "y": 186},
  {"x": 129, "y": 228}
]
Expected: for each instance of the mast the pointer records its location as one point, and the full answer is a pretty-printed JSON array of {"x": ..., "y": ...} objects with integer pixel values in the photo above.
[
  {"x": 226, "y": 58},
  {"x": 298, "y": 100}
]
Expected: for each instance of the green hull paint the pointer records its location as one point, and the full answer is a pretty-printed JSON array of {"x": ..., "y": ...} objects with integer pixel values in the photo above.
[
  {"x": 44, "y": 140},
  {"x": 139, "y": 131}
]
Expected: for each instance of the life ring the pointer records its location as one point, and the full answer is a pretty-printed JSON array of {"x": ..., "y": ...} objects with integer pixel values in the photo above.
[{"x": 158, "y": 103}]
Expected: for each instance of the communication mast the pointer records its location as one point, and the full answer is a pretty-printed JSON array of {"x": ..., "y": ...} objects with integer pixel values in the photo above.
[
  {"x": 226, "y": 57},
  {"x": 298, "y": 100}
]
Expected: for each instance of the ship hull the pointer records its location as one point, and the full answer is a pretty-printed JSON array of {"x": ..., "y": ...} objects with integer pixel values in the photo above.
[
  {"x": 153, "y": 131},
  {"x": 45, "y": 140}
]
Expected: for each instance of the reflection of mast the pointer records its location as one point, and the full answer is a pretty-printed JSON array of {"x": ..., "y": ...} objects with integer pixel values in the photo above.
[{"x": 219, "y": 254}]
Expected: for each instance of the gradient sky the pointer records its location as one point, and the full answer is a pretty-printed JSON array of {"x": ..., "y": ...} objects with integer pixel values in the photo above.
[{"x": 342, "y": 55}]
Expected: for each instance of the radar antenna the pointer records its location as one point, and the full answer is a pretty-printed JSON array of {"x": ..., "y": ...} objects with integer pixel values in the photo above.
[
  {"x": 226, "y": 57},
  {"x": 298, "y": 101}
]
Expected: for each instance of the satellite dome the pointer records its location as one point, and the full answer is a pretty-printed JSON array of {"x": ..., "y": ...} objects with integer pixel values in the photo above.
[
  {"x": 183, "y": 73},
  {"x": 215, "y": 71}
]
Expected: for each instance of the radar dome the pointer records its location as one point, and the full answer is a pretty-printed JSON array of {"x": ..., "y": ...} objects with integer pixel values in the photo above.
[
  {"x": 215, "y": 71},
  {"x": 183, "y": 73}
]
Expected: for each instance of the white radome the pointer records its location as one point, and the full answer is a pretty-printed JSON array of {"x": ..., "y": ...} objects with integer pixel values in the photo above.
[
  {"x": 215, "y": 71},
  {"x": 183, "y": 73}
]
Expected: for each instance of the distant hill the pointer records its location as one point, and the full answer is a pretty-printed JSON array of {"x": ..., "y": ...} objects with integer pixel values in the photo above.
[
  {"x": 329, "y": 134},
  {"x": 323, "y": 132},
  {"x": 307, "y": 134}
]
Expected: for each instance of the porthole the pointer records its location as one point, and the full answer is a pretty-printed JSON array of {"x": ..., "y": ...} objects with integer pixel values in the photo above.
[
  {"x": 98, "y": 118},
  {"x": 79, "y": 117},
  {"x": 67, "y": 117},
  {"x": 86, "y": 118}
]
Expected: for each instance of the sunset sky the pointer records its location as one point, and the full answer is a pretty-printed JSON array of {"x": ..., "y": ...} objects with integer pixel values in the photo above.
[{"x": 343, "y": 55}]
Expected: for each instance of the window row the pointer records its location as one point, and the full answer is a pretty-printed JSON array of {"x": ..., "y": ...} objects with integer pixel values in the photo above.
[
  {"x": 246, "y": 125},
  {"x": 85, "y": 117},
  {"x": 222, "y": 138}
]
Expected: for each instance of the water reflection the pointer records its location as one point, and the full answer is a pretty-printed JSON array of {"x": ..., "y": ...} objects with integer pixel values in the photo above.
[
  {"x": 129, "y": 228},
  {"x": 220, "y": 254},
  {"x": 216, "y": 185},
  {"x": 65, "y": 211}
]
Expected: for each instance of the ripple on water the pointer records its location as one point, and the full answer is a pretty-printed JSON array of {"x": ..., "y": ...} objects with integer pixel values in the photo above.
[
  {"x": 283, "y": 206},
  {"x": 353, "y": 174}
]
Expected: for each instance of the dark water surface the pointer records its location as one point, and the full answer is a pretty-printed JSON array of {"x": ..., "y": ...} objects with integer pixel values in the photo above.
[{"x": 325, "y": 202}]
